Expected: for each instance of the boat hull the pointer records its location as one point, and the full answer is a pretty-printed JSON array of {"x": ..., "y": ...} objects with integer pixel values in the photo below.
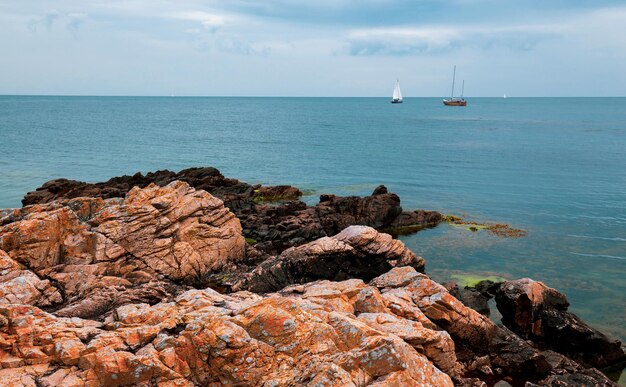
[
  {"x": 460, "y": 102},
  {"x": 396, "y": 101}
]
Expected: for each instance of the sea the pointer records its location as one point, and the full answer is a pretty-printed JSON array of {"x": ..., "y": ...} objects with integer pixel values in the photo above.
[{"x": 555, "y": 167}]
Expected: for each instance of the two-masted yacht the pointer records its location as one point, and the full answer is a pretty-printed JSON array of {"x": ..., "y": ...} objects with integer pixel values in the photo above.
[
  {"x": 397, "y": 94},
  {"x": 455, "y": 101}
]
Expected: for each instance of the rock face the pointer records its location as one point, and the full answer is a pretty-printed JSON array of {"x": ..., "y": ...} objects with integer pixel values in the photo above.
[
  {"x": 356, "y": 252},
  {"x": 92, "y": 254},
  {"x": 207, "y": 179},
  {"x": 311, "y": 337},
  {"x": 388, "y": 333},
  {"x": 539, "y": 313},
  {"x": 282, "y": 223},
  {"x": 113, "y": 290}
]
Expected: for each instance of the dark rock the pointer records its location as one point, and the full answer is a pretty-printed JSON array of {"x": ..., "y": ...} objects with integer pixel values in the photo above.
[
  {"x": 356, "y": 252},
  {"x": 475, "y": 300},
  {"x": 380, "y": 190},
  {"x": 539, "y": 313},
  {"x": 470, "y": 297},
  {"x": 409, "y": 222}
]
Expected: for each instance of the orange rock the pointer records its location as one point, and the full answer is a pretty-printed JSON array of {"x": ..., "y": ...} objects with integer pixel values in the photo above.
[{"x": 101, "y": 253}]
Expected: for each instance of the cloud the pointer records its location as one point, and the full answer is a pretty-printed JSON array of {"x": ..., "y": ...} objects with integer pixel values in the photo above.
[
  {"x": 72, "y": 20},
  {"x": 50, "y": 18},
  {"x": 438, "y": 39},
  {"x": 75, "y": 20}
]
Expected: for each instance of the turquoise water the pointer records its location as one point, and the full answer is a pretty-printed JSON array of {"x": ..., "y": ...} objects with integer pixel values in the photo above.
[{"x": 555, "y": 167}]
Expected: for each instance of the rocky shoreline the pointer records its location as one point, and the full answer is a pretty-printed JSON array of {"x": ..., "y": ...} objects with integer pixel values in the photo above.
[{"x": 192, "y": 278}]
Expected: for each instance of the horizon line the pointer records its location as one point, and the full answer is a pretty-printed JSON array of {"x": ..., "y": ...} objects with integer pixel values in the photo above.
[{"x": 281, "y": 96}]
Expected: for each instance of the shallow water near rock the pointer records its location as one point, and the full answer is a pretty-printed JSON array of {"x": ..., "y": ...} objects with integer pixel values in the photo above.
[{"x": 554, "y": 167}]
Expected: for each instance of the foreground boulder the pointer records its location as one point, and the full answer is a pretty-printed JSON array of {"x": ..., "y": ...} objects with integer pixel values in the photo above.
[
  {"x": 311, "y": 337},
  {"x": 92, "y": 254},
  {"x": 388, "y": 333},
  {"x": 539, "y": 313}
]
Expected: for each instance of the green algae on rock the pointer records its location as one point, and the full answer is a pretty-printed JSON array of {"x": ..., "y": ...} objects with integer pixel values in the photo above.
[{"x": 498, "y": 229}]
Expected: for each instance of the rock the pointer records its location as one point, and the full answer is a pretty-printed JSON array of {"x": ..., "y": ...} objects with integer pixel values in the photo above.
[
  {"x": 116, "y": 274},
  {"x": 21, "y": 286},
  {"x": 207, "y": 179},
  {"x": 205, "y": 338},
  {"x": 409, "y": 222},
  {"x": 482, "y": 347},
  {"x": 322, "y": 332},
  {"x": 470, "y": 297},
  {"x": 380, "y": 190},
  {"x": 274, "y": 227},
  {"x": 276, "y": 193},
  {"x": 356, "y": 252},
  {"x": 539, "y": 313},
  {"x": 101, "y": 253}
]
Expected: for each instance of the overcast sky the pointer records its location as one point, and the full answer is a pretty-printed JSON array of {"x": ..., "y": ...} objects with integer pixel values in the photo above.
[{"x": 312, "y": 47}]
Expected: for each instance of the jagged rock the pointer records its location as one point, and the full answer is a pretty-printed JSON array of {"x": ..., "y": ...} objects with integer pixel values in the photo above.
[
  {"x": 274, "y": 227},
  {"x": 380, "y": 190},
  {"x": 470, "y": 297},
  {"x": 204, "y": 338},
  {"x": 485, "y": 349},
  {"x": 356, "y": 252},
  {"x": 206, "y": 178},
  {"x": 101, "y": 253},
  {"x": 539, "y": 313},
  {"x": 128, "y": 257},
  {"x": 21, "y": 286},
  {"x": 319, "y": 333}
]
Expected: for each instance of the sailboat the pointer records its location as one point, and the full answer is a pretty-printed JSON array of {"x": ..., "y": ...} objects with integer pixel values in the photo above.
[
  {"x": 455, "y": 101},
  {"x": 397, "y": 94}
]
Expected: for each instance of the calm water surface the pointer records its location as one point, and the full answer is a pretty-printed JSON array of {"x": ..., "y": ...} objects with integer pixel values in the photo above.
[{"x": 555, "y": 167}]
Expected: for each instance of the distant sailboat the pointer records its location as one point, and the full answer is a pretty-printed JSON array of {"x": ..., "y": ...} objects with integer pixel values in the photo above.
[
  {"x": 397, "y": 94},
  {"x": 455, "y": 101},
  {"x": 504, "y": 96}
]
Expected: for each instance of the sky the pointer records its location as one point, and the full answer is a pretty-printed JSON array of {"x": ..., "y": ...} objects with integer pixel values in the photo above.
[{"x": 313, "y": 47}]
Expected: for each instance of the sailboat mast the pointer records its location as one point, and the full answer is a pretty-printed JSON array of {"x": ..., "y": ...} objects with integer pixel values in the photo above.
[
  {"x": 462, "y": 89},
  {"x": 453, "y": 77}
]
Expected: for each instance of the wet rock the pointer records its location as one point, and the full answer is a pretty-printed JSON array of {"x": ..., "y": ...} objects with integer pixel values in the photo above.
[
  {"x": 539, "y": 313},
  {"x": 276, "y": 193},
  {"x": 470, "y": 297},
  {"x": 411, "y": 221}
]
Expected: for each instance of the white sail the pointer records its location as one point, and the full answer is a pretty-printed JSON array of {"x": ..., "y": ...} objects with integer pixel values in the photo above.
[{"x": 397, "y": 94}]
